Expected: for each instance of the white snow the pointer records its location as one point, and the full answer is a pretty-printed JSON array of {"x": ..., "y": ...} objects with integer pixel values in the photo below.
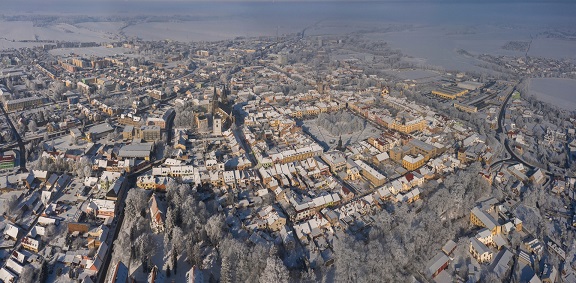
[{"x": 559, "y": 92}]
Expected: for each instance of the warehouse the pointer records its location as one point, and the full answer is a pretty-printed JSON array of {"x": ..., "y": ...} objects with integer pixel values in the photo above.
[{"x": 450, "y": 92}]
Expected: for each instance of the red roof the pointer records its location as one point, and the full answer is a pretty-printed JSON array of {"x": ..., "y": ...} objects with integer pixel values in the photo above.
[
  {"x": 409, "y": 177},
  {"x": 6, "y": 158}
]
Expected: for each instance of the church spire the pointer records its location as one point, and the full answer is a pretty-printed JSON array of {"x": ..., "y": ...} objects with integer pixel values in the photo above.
[{"x": 214, "y": 101}]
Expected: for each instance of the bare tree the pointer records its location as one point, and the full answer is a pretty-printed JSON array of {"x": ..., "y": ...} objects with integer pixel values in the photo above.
[
  {"x": 27, "y": 275},
  {"x": 275, "y": 271}
]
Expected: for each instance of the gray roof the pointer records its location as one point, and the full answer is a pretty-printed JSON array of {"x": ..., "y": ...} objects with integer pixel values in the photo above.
[
  {"x": 422, "y": 145},
  {"x": 486, "y": 218},
  {"x": 501, "y": 265},
  {"x": 437, "y": 262},
  {"x": 479, "y": 246},
  {"x": 136, "y": 150}
]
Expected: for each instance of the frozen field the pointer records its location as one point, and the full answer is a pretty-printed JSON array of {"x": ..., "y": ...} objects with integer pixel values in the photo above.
[
  {"x": 559, "y": 92},
  {"x": 430, "y": 33},
  {"x": 211, "y": 29},
  {"x": 13, "y": 32}
]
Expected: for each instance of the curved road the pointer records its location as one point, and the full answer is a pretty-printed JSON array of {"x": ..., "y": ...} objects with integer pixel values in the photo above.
[{"x": 514, "y": 156}]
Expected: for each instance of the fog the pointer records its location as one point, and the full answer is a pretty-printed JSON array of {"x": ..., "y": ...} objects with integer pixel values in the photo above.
[{"x": 534, "y": 13}]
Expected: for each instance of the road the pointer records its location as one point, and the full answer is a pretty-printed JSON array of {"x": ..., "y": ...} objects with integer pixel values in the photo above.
[
  {"x": 22, "y": 235},
  {"x": 514, "y": 157},
  {"x": 19, "y": 140},
  {"x": 131, "y": 180}
]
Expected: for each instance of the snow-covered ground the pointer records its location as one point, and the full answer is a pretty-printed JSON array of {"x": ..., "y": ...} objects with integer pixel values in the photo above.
[
  {"x": 12, "y": 32},
  {"x": 209, "y": 30},
  {"x": 331, "y": 141},
  {"x": 559, "y": 92}
]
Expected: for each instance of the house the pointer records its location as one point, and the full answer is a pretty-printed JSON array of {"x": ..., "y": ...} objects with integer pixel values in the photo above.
[
  {"x": 480, "y": 251},
  {"x": 549, "y": 274},
  {"x": 12, "y": 231},
  {"x": 7, "y": 276},
  {"x": 15, "y": 266},
  {"x": 120, "y": 274},
  {"x": 102, "y": 208},
  {"x": 538, "y": 177},
  {"x": 482, "y": 218},
  {"x": 31, "y": 244},
  {"x": 449, "y": 247},
  {"x": 502, "y": 263},
  {"x": 485, "y": 236},
  {"x": 157, "y": 213},
  {"x": 437, "y": 264}
]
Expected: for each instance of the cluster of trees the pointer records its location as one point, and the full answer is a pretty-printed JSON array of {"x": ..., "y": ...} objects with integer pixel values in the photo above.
[
  {"x": 196, "y": 230},
  {"x": 185, "y": 115},
  {"x": 10, "y": 204},
  {"x": 408, "y": 237},
  {"x": 341, "y": 122},
  {"x": 81, "y": 168},
  {"x": 123, "y": 101},
  {"x": 57, "y": 88}
]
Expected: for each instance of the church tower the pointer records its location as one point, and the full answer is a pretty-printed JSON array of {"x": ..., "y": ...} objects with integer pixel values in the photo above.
[
  {"x": 224, "y": 95},
  {"x": 214, "y": 102}
]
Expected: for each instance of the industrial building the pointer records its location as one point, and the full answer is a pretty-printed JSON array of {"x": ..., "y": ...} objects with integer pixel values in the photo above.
[{"x": 450, "y": 92}]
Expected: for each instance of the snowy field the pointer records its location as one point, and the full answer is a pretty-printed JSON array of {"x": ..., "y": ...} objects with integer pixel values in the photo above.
[
  {"x": 438, "y": 45},
  {"x": 11, "y": 32},
  {"x": 103, "y": 27},
  {"x": 559, "y": 92},
  {"x": 210, "y": 29},
  {"x": 431, "y": 34}
]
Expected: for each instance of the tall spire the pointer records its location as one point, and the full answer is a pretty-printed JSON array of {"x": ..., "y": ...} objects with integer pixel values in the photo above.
[
  {"x": 214, "y": 101},
  {"x": 224, "y": 95}
]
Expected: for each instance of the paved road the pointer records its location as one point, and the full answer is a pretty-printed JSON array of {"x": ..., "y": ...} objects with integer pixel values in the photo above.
[
  {"x": 131, "y": 180},
  {"x": 514, "y": 157},
  {"x": 19, "y": 140}
]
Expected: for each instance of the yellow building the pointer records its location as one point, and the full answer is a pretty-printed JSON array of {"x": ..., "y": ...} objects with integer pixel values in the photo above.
[
  {"x": 450, "y": 92},
  {"x": 484, "y": 219},
  {"x": 465, "y": 108},
  {"x": 275, "y": 223},
  {"x": 480, "y": 251},
  {"x": 128, "y": 132},
  {"x": 411, "y": 162},
  {"x": 405, "y": 126},
  {"x": 375, "y": 177},
  {"x": 416, "y": 148},
  {"x": 148, "y": 133},
  {"x": 22, "y": 103}
]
